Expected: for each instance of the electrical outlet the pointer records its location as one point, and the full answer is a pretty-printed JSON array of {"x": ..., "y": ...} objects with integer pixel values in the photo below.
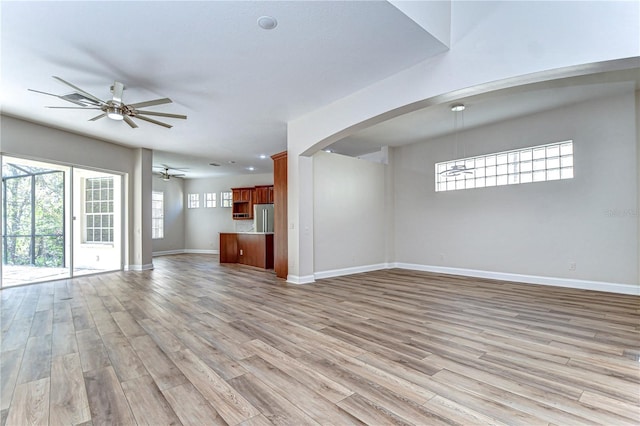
[
  {"x": 241, "y": 253},
  {"x": 572, "y": 266}
]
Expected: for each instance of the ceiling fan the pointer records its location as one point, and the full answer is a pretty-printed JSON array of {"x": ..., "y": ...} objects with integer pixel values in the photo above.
[
  {"x": 113, "y": 108},
  {"x": 165, "y": 175}
]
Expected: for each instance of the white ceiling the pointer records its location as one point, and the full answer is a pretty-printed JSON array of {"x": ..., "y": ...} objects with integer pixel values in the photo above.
[{"x": 237, "y": 83}]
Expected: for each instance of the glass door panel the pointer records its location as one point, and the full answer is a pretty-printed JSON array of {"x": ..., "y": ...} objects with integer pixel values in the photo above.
[
  {"x": 35, "y": 244},
  {"x": 97, "y": 222}
]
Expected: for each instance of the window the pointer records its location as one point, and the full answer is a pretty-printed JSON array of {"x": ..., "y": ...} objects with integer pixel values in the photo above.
[
  {"x": 226, "y": 199},
  {"x": 193, "y": 201},
  {"x": 536, "y": 164},
  {"x": 157, "y": 215},
  {"x": 98, "y": 210},
  {"x": 209, "y": 200}
]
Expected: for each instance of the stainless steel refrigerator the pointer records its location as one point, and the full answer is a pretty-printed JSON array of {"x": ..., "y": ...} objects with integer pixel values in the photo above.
[{"x": 263, "y": 217}]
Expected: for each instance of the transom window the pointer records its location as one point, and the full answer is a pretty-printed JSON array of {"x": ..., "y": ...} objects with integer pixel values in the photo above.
[
  {"x": 99, "y": 210},
  {"x": 535, "y": 164},
  {"x": 193, "y": 201},
  {"x": 226, "y": 199},
  {"x": 209, "y": 200}
]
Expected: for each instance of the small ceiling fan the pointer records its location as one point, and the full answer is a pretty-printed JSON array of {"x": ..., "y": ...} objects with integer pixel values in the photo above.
[
  {"x": 114, "y": 108},
  {"x": 164, "y": 173}
]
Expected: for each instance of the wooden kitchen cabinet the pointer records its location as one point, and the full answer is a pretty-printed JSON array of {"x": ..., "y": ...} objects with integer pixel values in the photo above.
[
  {"x": 242, "y": 203},
  {"x": 264, "y": 194},
  {"x": 253, "y": 249}
]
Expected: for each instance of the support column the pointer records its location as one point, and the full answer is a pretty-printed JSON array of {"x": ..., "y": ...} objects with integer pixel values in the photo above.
[
  {"x": 300, "y": 215},
  {"x": 139, "y": 212}
]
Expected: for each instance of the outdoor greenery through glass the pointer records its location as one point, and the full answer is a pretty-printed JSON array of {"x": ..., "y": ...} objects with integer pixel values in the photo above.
[{"x": 33, "y": 216}]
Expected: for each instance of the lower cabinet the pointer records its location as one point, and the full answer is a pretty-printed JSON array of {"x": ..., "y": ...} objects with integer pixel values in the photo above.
[{"x": 247, "y": 249}]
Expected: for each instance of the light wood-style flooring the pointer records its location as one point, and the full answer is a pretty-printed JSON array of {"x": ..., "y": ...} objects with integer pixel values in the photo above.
[{"x": 194, "y": 342}]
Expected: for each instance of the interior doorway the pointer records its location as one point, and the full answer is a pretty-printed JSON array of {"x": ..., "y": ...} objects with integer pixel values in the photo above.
[{"x": 58, "y": 221}]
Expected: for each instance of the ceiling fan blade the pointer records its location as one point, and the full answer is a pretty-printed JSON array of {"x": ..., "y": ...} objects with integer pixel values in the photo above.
[
  {"x": 160, "y": 114},
  {"x": 160, "y": 123},
  {"x": 151, "y": 103},
  {"x": 57, "y": 96},
  {"x": 97, "y": 117},
  {"x": 59, "y": 107},
  {"x": 130, "y": 122},
  {"x": 87, "y": 94}
]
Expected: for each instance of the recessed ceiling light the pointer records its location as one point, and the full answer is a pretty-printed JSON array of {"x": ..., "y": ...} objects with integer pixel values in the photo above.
[
  {"x": 267, "y": 22},
  {"x": 328, "y": 150},
  {"x": 251, "y": 168},
  {"x": 457, "y": 107},
  {"x": 262, "y": 156},
  {"x": 231, "y": 162}
]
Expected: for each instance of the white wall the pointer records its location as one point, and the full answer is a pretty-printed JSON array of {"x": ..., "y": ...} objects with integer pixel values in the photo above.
[
  {"x": 532, "y": 229},
  {"x": 202, "y": 226},
  {"x": 349, "y": 214},
  {"x": 174, "y": 200}
]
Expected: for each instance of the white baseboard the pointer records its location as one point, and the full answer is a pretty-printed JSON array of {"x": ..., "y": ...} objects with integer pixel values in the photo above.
[
  {"x": 167, "y": 252},
  {"x": 305, "y": 279},
  {"x": 528, "y": 279},
  {"x": 146, "y": 267},
  {"x": 198, "y": 251},
  {"x": 350, "y": 271}
]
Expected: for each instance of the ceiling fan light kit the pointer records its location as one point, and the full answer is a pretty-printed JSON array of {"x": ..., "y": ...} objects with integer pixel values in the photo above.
[
  {"x": 114, "y": 108},
  {"x": 115, "y": 113}
]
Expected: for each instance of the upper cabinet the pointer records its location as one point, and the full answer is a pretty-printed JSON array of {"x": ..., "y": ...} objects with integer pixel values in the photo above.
[
  {"x": 264, "y": 194},
  {"x": 245, "y": 198},
  {"x": 242, "y": 203}
]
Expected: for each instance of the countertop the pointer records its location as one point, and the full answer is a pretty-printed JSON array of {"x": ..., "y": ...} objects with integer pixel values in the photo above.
[{"x": 249, "y": 232}]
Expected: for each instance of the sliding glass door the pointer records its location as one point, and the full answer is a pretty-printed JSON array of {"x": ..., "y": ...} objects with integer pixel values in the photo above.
[
  {"x": 58, "y": 221},
  {"x": 34, "y": 206}
]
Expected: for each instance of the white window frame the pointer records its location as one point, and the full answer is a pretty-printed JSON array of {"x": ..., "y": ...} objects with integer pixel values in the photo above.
[
  {"x": 98, "y": 206},
  {"x": 539, "y": 163},
  {"x": 193, "y": 201},
  {"x": 226, "y": 199},
  {"x": 157, "y": 215},
  {"x": 210, "y": 200}
]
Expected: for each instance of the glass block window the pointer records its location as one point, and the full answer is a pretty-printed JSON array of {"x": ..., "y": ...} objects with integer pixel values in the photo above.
[
  {"x": 226, "y": 199},
  {"x": 209, "y": 200},
  {"x": 157, "y": 215},
  {"x": 98, "y": 210},
  {"x": 535, "y": 164},
  {"x": 193, "y": 201}
]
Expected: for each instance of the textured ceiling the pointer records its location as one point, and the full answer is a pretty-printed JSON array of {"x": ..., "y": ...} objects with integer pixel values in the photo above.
[{"x": 238, "y": 84}]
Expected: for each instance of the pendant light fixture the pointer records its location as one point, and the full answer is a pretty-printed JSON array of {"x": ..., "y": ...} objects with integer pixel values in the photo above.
[{"x": 458, "y": 121}]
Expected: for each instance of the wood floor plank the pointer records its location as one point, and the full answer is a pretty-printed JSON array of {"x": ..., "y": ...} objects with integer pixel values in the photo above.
[
  {"x": 69, "y": 404},
  {"x": 197, "y": 342},
  {"x": 30, "y": 404},
  {"x": 277, "y": 409},
  {"x": 123, "y": 358},
  {"x": 306, "y": 375},
  {"x": 107, "y": 402},
  {"x": 160, "y": 367},
  {"x": 312, "y": 403},
  {"x": 231, "y": 405},
  {"x": 147, "y": 402},
  {"x": 93, "y": 354},
  {"x": 9, "y": 368},
  {"x": 36, "y": 362},
  {"x": 191, "y": 407}
]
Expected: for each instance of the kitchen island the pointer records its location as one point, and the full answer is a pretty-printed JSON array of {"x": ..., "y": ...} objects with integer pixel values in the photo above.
[{"x": 247, "y": 248}]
